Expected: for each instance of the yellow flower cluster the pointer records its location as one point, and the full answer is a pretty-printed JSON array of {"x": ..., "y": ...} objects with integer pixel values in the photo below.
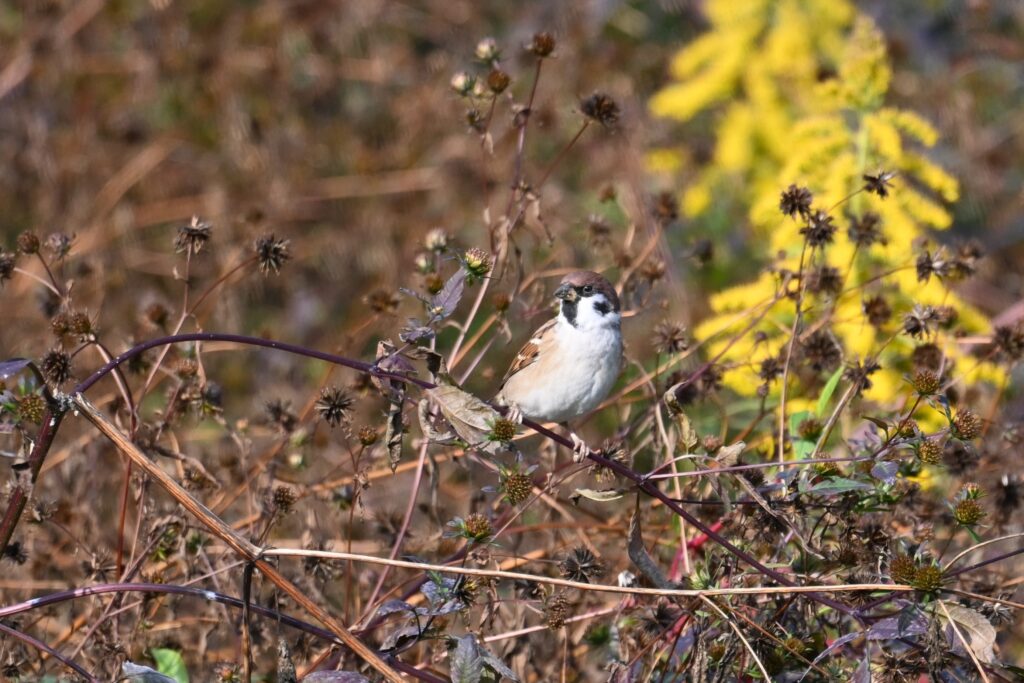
[{"x": 798, "y": 90}]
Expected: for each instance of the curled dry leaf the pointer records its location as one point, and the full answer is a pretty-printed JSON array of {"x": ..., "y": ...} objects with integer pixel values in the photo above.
[
  {"x": 470, "y": 417},
  {"x": 976, "y": 629}
]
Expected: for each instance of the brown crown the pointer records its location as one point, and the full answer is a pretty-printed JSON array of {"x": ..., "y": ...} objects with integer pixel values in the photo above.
[{"x": 581, "y": 278}]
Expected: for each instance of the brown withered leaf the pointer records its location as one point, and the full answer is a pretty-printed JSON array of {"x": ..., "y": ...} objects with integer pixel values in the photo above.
[
  {"x": 393, "y": 434},
  {"x": 976, "y": 630},
  {"x": 428, "y": 426},
  {"x": 470, "y": 417},
  {"x": 642, "y": 559}
]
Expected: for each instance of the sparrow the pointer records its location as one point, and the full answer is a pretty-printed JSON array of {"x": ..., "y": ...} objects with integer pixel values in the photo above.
[{"x": 572, "y": 361}]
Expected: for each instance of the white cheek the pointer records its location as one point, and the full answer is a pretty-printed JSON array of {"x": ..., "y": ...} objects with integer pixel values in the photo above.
[{"x": 588, "y": 317}]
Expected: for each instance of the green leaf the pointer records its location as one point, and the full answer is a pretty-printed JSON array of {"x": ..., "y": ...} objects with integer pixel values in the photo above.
[
  {"x": 830, "y": 388},
  {"x": 170, "y": 663},
  {"x": 836, "y": 486}
]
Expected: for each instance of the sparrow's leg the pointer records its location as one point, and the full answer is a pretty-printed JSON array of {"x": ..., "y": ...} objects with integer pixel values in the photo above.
[
  {"x": 580, "y": 450},
  {"x": 514, "y": 414}
]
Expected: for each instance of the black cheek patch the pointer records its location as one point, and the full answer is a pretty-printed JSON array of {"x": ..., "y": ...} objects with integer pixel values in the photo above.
[
  {"x": 602, "y": 307},
  {"x": 569, "y": 311}
]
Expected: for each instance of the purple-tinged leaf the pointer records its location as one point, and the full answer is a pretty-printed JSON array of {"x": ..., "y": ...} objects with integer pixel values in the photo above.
[
  {"x": 885, "y": 471},
  {"x": 445, "y": 302},
  {"x": 335, "y": 677},
  {"x": 913, "y": 624},
  {"x": 839, "y": 642},
  {"x": 13, "y": 366}
]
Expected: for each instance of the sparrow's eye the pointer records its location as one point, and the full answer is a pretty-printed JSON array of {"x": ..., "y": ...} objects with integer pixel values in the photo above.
[{"x": 588, "y": 289}]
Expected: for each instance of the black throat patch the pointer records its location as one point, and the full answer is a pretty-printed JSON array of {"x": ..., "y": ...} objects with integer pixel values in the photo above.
[{"x": 569, "y": 309}]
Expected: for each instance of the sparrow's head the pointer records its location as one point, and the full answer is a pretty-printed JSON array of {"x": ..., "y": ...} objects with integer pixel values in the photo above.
[{"x": 588, "y": 300}]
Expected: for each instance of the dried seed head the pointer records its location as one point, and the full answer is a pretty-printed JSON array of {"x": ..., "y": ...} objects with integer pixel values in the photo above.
[
  {"x": 920, "y": 320},
  {"x": 333, "y": 405},
  {"x": 928, "y": 579},
  {"x": 666, "y": 208},
  {"x": 902, "y": 569},
  {"x": 860, "y": 373},
  {"x": 877, "y": 310},
  {"x": 967, "y": 425},
  {"x": 383, "y": 301},
  {"x": 927, "y": 356},
  {"x": 516, "y": 487},
  {"x": 968, "y": 512},
  {"x": 810, "y": 429},
  {"x": 271, "y": 254},
  {"x": 477, "y": 262},
  {"x": 192, "y": 237},
  {"x": 279, "y": 413},
  {"x": 503, "y": 430},
  {"x": 542, "y": 45},
  {"x": 1008, "y": 341},
  {"x": 477, "y": 527},
  {"x": 866, "y": 230},
  {"x": 31, "y": 408},
  {"x": 926, "y": 382},
  {"x": 284, "y": 499},
  {"x": 60, "y": 324},
  {"x": 580, "y": 565},
  {"x": 929, "y": 451},
  {"x": 501, "y": 301},
  {"x": 498, "y": 81},
  {"x": 819, "y": 230},
  {"x": 56, "y": 367},
  {"x": 556, "y": 611},
  {"x": 601, "y": 108},
  {"x": 928, "y": 264},
  {"x": 59, "y": 244},
  {"x": 825, "y": 280},
  {"x": 600, "y": 230},
  {"x": 80, "y": 324},
  {"x": 462, "y": 83},
  {"x": 879, "y": 183},
  {"x": 670, "y": 338},
  {"x": 712, "y": 443},
  {"x": 157, "y": 314},
  {"x": 971, "y": 490},
  {"x": 796, "y": 201},
  {"x": 436, "y": 240},
  {"x": 821, "y": 350},
  {"x": 8, "y": 261},
  {"x": 433, "y": 283},
  {"x": 28, "y": 242},
  {"x": 908, "y": 428},
  {"x": 367, "y": 436},
  {"x": 487, "y": 50}
]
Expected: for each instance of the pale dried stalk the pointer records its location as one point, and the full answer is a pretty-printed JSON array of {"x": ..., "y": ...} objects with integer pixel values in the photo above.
[
  {"x": 967, "y": 646},
  {"x": 241, "y": 546},
  {"x": 976, "y": 546},
  {"x": 499, "y": 574}
]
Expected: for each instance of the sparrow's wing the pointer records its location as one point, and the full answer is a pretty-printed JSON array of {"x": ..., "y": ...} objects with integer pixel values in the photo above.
[{"x": 531, "y": 350}]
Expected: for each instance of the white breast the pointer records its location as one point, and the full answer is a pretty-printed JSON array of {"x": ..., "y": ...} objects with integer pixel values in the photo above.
[{"x": 582, "y": 371}]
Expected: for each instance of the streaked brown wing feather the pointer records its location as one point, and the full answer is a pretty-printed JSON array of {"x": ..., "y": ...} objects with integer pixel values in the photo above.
[{"x": 531, "y": 350}]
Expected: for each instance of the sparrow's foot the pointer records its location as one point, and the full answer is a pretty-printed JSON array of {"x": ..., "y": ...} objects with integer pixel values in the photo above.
[
  {"x": 514, "y": 414},
  {"x": 580, "y": 450}
]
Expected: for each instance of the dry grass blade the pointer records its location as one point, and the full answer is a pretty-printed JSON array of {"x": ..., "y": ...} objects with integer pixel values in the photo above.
[
  {"x": 625, "y": 590},
  {"x": 217, "y": 526},
  {"x": 964, "y": 642},
  {"x": 736, "y": 629}
]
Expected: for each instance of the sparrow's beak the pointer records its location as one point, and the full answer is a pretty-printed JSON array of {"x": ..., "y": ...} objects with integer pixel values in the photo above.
[{"x": 566, "y": 293}]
